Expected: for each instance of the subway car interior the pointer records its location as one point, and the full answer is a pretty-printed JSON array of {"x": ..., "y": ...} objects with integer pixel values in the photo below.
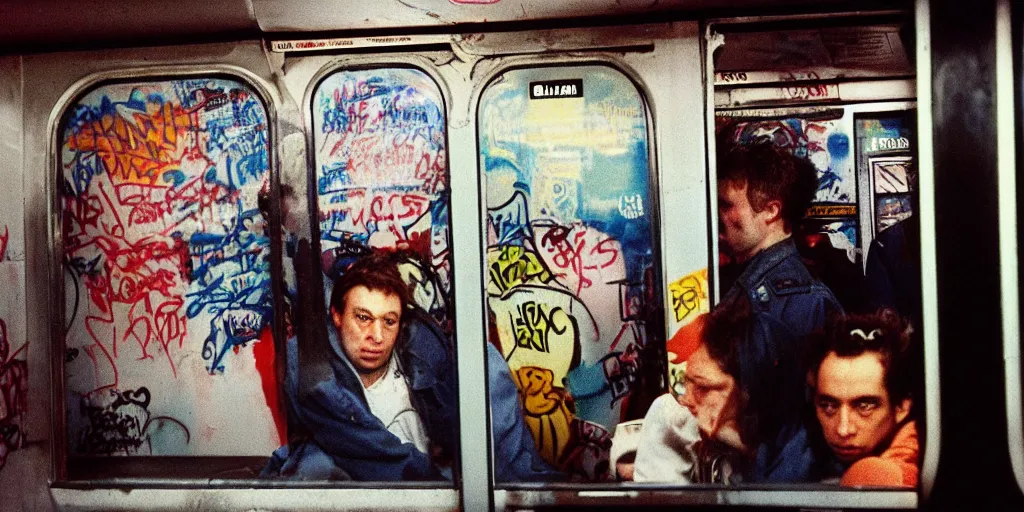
[{"x": 699, "y": 254}]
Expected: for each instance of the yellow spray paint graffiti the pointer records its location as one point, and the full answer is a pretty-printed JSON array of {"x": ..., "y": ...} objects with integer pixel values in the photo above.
[
  {"x": 690, "y": 294},
  {"x": 690, "y": 303},
  {"x": 547, "y": 416},
  {"x": 513, "y": 265}
]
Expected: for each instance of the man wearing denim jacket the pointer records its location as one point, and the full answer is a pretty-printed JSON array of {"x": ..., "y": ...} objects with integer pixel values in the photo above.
[
  {"x": 762, "y": 193},
  {"x": 372, "y": 396}
]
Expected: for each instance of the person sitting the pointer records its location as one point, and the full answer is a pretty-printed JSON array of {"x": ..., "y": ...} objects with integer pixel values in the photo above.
[
  {"x": 862, "y": 398},
  {"x": 741, "y": 414},
  {"x": 376, "y": 400}
]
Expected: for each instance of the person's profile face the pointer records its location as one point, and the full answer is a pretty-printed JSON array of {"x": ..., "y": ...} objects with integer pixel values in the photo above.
[
  {"x": 853, "y": 406},
  {"x": 368, "y": 327},
  {"x": 741, "y": 230},
  {"x": 710, "y": 393}
]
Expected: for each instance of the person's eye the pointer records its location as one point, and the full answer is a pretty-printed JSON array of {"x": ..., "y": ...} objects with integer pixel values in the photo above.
[
  {"x": 827, "y": 408},
  {"x": 390, "y": 322},
  {"x": 362, "y": 318},
  {"x": 866, "y": 407}
]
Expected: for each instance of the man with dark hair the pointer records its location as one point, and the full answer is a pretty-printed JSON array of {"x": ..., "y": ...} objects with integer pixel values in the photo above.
[
  {"x": 745, "y": 386},
  {"x": 762, "y": 193},
  {"x": 863, "y": 373},
  {"x": 376, "y": 400}
]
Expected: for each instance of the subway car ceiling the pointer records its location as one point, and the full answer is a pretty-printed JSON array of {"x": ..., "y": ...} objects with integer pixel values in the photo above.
[
  {"x": 54, "y": 25},
  {"x": 191, "y": 180}
]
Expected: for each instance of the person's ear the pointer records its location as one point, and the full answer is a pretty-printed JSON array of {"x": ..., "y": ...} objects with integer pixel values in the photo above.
[
  {"x": 336, "y": 317},
  {"x": 902, "y": 410},
  {"x": 772, "y": 211}
]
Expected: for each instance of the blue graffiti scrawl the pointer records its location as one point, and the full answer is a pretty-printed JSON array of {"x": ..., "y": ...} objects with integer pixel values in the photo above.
[
  {"x": 822, "y": 142},
  {"x": 164, "y": 241},
  {"x": 382, "y": 176},
  {"x": 569, "y": 239}
]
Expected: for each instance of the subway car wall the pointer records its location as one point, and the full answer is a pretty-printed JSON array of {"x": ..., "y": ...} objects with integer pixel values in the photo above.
[{"x": 470, "y": 255}]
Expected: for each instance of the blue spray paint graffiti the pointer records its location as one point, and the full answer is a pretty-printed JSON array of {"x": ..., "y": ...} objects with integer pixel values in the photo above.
[
  {"x": 161, "y": 228},
  {"x": 821, "y": 142},
  {"x": 382, "y": 176}
]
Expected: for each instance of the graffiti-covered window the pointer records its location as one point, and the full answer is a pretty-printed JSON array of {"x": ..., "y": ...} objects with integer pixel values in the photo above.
[
  {"x": 571, "y": 257},
  {"x": 166, "y": 255},
  {"x": 382, "y": 177}
]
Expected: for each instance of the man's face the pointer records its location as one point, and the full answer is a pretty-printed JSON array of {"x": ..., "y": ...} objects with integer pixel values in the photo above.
[
  {"x": 853, "y": 406},
  {"x": 368, "y": 327},
  {"x": 741, "y": 230},
  {"x": 710, "y": 393}
]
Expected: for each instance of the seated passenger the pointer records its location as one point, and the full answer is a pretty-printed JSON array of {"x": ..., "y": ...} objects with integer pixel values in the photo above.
[
  {"x": 863, "y": 399},
  {"x": 376, "y": 400},
  {"x": 740, "y": 416}
]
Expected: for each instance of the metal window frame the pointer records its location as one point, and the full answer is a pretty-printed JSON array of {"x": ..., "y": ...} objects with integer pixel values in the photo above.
[
  {"x": 1008, "y": 93},
  {"x": 929, "y": 296},
  {"x": 342, "y": 64}
]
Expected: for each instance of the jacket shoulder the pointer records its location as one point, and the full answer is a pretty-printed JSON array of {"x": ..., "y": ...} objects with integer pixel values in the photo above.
[{"x": 791, "y": 277}]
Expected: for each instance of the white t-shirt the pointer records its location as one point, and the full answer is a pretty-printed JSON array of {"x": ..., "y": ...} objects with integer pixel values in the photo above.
[{"x": 389, "y": 401}]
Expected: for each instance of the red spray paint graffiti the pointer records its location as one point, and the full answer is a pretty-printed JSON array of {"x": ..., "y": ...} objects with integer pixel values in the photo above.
[{"x": 13, "y": 396}]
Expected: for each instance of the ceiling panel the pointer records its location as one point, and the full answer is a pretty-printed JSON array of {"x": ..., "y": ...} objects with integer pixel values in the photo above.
[
  {"x": 54, "y": 23},
  {"x": 317, "y": 15}
]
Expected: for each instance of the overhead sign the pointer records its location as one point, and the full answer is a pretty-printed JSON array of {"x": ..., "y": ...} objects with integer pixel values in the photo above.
[
  {"x": 556, "y": 89},
  {"x": 312, "y": 45}
]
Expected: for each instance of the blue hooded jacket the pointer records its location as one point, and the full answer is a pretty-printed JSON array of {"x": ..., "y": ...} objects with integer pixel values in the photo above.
[{"x": 343, "y": 440}]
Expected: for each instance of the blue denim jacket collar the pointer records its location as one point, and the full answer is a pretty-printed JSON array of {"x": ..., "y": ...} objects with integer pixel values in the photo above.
[{"x": 764, "y": 261}]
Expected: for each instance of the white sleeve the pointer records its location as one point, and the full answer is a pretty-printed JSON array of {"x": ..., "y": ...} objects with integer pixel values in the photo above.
[{"x": 667, "y": 439}]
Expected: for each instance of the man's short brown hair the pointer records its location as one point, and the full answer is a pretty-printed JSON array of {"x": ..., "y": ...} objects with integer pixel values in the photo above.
[
  {"x": 377, "y": 271},
  {"x": 771, "y": 174}
]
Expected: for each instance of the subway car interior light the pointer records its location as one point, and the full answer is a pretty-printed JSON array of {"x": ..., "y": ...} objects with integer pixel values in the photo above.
[{"x": 493, "y": 255}]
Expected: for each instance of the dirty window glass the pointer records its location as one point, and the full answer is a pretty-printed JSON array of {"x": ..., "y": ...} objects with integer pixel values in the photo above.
[
  {"x": 168, "y": 344},
  {"x": 571, "y": 263}
]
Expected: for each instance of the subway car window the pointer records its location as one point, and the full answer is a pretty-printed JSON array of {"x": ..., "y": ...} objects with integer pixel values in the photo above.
[
  {"x": 572, "y": 265},
  {"x": 168, "y": 349},
  {"x": 382, "y": 176},
  {"x": 374, "y": 385}
]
